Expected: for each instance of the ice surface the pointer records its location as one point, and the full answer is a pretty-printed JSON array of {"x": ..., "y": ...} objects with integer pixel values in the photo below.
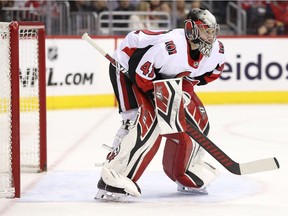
[{"x": 244, "y": 132}]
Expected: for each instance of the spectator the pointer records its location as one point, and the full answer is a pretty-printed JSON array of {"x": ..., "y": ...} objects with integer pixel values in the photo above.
[
  {"x": 280, "y": 11},
  {"x": 155, "y": 5},
  {"x": 99, "y": 6},
  {"x": 4, "y": 3},
  {"x": 256, "y": 13},
  {"x": 80, "y": 5},
  {"x": 220, "y": 7},
  {"x": 139, "y": 22},
  {"x": 181, "y": 13},
  {"x": 271, "y": 27},
  {"x": 3, "y": 16},
  {"x": 164, "y": 7},
  {"x": 123, "y": 5},
  {"x": 196, "y": 4},
  {"x": 33, "y": 4},
  {"x": 36, "y": 10}
]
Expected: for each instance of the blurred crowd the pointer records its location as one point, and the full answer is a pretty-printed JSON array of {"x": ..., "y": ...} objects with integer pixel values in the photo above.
[
  {"x": 266, "y": 17},
  {"x": 263, "y": 17},
  {"x": 182, "y": 8}
]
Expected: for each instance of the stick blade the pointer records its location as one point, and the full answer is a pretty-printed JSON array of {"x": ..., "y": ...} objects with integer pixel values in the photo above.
[{"x": 259, "y": 166}]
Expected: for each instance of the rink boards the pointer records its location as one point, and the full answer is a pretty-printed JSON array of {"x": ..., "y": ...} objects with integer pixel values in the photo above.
[{"x": 256, "y": 72}]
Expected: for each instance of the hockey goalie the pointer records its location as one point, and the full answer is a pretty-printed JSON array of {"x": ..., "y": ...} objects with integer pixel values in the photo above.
[{"x": 156, "y": 98}]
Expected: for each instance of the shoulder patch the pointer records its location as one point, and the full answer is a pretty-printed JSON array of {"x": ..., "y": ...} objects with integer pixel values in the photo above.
[
  {"x": 170, "y": 47},
  {"x": 221, "y": 47}
]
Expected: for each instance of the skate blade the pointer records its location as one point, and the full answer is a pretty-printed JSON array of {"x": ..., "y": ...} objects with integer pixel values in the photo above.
[
  {"x": 193, "y": 191},
  {"x": 103, "y": 195}
]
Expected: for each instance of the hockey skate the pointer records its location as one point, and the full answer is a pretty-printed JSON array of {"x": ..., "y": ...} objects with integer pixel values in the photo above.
[
  {"x": 205, "y": 172},
  {"x": 109, "y": 193},
  {"x": 191, "y": 190},
  {"x": 115, "y": 187}
]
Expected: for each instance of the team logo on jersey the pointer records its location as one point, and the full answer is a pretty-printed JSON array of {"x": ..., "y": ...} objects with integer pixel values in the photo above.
[{"x": 170, "y": 47}]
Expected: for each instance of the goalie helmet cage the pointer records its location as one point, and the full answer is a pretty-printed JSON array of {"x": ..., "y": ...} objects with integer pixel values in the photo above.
[{"x": 22, "y": 103}]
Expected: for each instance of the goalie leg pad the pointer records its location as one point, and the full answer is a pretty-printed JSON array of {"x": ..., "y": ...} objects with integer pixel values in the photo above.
[
  {"x": 182, "y": 162},
  {"x": 177, "y": 153},
  {"x": 114, "y": 182},
  {"x": 126, "y": 163}
]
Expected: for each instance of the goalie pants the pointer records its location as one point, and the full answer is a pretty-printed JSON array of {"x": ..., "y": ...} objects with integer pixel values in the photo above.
[{"x": 123, "y": 90}]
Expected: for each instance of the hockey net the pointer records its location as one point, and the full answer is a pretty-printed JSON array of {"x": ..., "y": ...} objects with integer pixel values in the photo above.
[{"x": 22, "y": 103}]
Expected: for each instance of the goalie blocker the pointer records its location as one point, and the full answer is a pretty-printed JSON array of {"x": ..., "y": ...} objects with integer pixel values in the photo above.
[{"x": 182, "y": 159}]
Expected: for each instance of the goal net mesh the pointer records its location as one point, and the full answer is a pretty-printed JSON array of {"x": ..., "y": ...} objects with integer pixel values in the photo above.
[
  {"x": 29, "y": 108},
  {"x": 5, "y": 114}
]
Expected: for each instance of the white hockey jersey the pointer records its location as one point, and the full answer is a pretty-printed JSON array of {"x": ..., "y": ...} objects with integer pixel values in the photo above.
[{"x": 166, "y": 55}]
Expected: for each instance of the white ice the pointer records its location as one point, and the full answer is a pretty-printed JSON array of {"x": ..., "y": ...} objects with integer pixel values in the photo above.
[{"x": 244, "y": 132}]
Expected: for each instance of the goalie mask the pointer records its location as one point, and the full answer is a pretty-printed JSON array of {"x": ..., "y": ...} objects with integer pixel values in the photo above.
[{"x": 201, "y": 29}]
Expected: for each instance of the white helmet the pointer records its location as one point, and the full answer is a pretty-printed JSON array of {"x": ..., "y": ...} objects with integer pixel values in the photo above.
[{"x": 202, "y": 29}]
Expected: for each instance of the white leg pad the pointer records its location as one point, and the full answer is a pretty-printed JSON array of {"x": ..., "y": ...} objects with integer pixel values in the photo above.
[
  {"x": 204, "y": 171},
  {"x": 112, "y": 178}
]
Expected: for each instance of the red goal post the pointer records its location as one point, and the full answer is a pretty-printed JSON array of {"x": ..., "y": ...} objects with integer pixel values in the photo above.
[{"x": 22, "y": 103}]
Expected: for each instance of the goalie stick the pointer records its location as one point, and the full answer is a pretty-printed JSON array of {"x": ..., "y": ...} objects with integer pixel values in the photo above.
[{"x": 192, "y": 130}]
